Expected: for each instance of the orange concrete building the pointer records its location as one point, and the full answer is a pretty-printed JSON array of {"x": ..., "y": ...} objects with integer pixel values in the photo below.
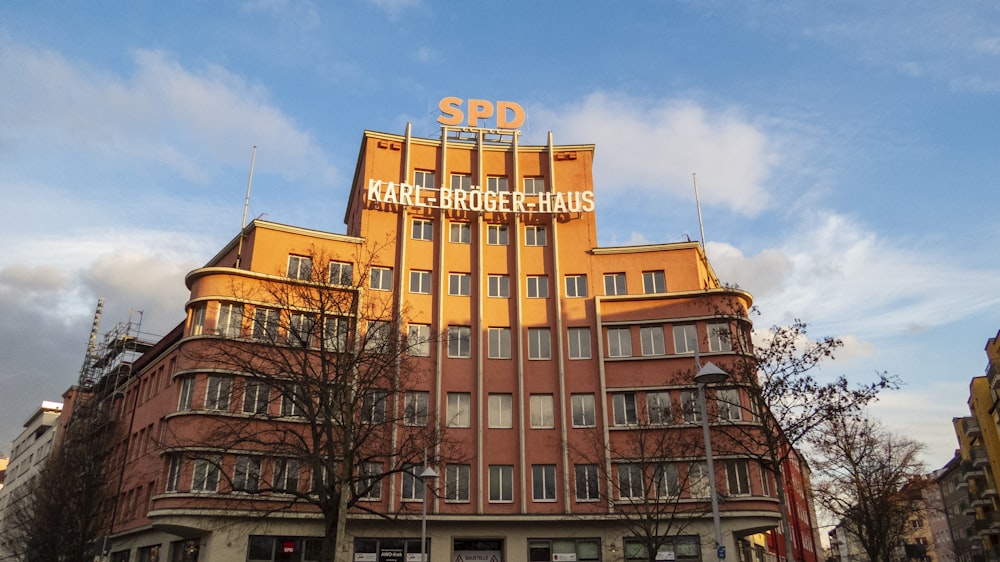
[{"x": 540, "y": 354}]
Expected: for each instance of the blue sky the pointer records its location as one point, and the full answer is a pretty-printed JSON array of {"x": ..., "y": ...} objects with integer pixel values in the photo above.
[{"x": 846, "y": 155}]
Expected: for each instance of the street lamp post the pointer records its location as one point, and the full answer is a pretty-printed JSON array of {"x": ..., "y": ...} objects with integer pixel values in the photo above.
[
  {"x": 710, "y": 374},
  {"x": 427, "y": 474}
]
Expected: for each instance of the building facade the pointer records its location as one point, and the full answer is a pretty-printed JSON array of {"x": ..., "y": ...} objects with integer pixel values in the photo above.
[{"x": 553, "y": 381}]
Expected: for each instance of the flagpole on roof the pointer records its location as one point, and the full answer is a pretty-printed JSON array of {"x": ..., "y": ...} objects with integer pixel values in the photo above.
[
  {"x": 246, "y": 205},
  {"x": 697, "y": 202}
]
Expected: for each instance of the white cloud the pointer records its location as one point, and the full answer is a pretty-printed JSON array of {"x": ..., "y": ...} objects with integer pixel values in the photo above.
[{"x": 646, "y": 147}]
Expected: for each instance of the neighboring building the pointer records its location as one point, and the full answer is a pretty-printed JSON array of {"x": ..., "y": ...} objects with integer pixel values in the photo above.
[
  {"x": 549, "y": 345},
  {"x": 959, "y": 532},
  {"x": 844, "y": 546}
]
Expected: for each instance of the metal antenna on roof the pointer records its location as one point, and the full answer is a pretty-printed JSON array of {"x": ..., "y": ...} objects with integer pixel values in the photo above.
[
  {"x": 246, "y": 204},
  {"x": 697, "y": 202}
]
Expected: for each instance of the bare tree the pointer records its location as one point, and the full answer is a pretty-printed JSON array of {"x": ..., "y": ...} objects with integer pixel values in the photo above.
[
  {"x": 323, "y": 376},
  {"x": 58, "y": 515},
  {"x": 870, "y": 481}
]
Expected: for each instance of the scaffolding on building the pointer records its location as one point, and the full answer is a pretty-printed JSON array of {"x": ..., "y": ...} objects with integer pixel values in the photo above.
[{"x": 108, "y": 363}]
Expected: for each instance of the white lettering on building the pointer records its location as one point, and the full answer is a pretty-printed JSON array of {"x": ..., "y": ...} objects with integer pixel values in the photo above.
[{"x": 476, "y": 200}]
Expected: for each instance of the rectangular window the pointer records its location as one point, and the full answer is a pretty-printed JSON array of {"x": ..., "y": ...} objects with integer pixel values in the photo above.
[
  {"x": 539, "y": 343},
  {"x": 583, "y": 410},
  {"x": 220, "y": 390},
  {"x": 291, "y": 400},
  {"x": 624, "y": 408},
  {"x": 461, "y": 182},
  {"x": 423, "y": 229},
  {"x": 765, "y": 480},
  {"x": 230, "y": 320},
  {"x": 534, "y": 235},
  {"x": 496, "y": 184},
  {"x": 620, "y": 342},
  {"x": 459, "y": 409},
  {"x": 380, "y": 279},
  {"x": 576, "y": 286},
  {"x": 206, "y": 475},
  {"x": 499, "y": 286},
  {"x": 630, "y": 482},
  {"x": 578, "y": 340},
  {"x": 738, "y": 477},
  {"x": 534, "y": 186},
  {"x": 456, "y": 482},
  {"x": 666, "y": 480},
  {"x": 173, "y": 473},
  {"x": 497, "y": 235},
  {"x": 654, "y": 282},
  {"x": 501, "y": 483},
  {"x": 300, "y": 327},
  {"x": 459, "y": 284},
  {"x": 378, "y": 336},
  {"x": 341, "y": 273},
  {"x": 246, "y": 474},
  {"x": 658, "y": 408},
  {"x": 614, "y": 284},
  {"x": 256, "y": 396},
  {"x": 460, "y": 233},
  {"x": 415, "y": 408},
  {"x": 197, "y": 320},
  {"x": 685, "y": 339},
  {"x": 587, "y": 482},
  {"x": 499, "y": 343},
  {"x": 423, "y": 178},
  {"x": 335, "y": 332},
  {"x": 418, "y": 338},
  {"x": 459, "y": 341},
  {"x": 543, "y": 482},
  {"x": 286, "y": 475},
  {"x": 718, "y": 337},
  {"x": 413, "y": 486},
  {"x": 500, "y": 406},
  {"x": 373, "y": 407},
  {"x": 300, "y": 267},
  {"x": 370, "y": 481},
  {"x": 185, "y": 394},
  {"x": 420, "y": 282},
  {"x": 541, "y": 411},
  {"x": 689, "y": 406},
  {"x": 652, "y": 340},
  {"x": 728, "y": 402},
  {"x": 538, "y": 286},
  {"x": 265, "y": 324}
]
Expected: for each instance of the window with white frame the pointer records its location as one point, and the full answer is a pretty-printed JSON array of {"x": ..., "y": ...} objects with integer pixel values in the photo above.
[
  {"x": 728, "y": 402},
  {"x": 286, "y": 475},
  {"x": 765, "y": 480},
  {"x": 459, "y": 284},
  {"x": 578, "y": 340},
  {"x": 685, "y": 338},
  {"x": 418, "y": 340},
  {"x": 423, "y": 178},
  {"x": 422, "y": 229},
  {"x": 460, "y": 233},
  {"x": 501, "y": 483},
  {"x": 198, "y": 319},
  {"x": 499, "y": 343},
  {"x": 619, "y": 341},
  {"x": 335, "y": 332},
  {"x": 498, "y": 286},
  {"x": 666, "y": 480},
  {"x": 652, "y": 340},
  {"x": 459, "y": 409},
  {"x": 292, "y": 397},
  {"x": 265, "y": 324},
  {"x": 538, "y": 286},
  {"x": 698, "y": 485},
  {"x": 630, "y": 482},
  {"x": 370, "y": 481},
  {"x": 534, "y": 235},
  {"x": 378, "y": 336},
  {"x": 246, "y": 474},
  {"x": 299, "y": 267},
  {"x": 205, "y": 477},
  {"x": 341, "y": 273},
  {"x": 496, "y": 184},
  {"x": 587, "y": 482},
  {"x": 373, "y": 407},
  {"x": 230, "y": 320},
  {"x": 420, "y": 282},
  {"x": 689, "y": 406},
  {"x": 500, "y": 408},
  {"x": 413, "y": 486},
  {"x": 576, "y": 286},
  {"x": 256, "y": 397},
  {"x": 173, "y": 473},
  {"x": 623, "y": 407},
  {"x": 300, "y": 327},
  {"x": 614, "y": 284},
  {"x": 658, "y": 407},
  {"x": 456, "y": 482},
  {"x": 497, "y": 235},
  {"x": 462, "y": 182},
  {"x": 415, "y": 408},
  {"x": 534, "y": 186},
  {"x": 543, "y": 482},
  {"x": 459, "y": 341},
  {"x": 185, "y": 393},
  {"x": 218, "y": 393},
  {"x": 583, "y": 410},
  {"x": 539, "y": 343},
  {"x": 719, "y": 337},
  {"x": 738, "y": 477},
  {"x": 380, "y": 278},
  {"x": 541, "y": 411},
  {"x": 654, "y": 282}
]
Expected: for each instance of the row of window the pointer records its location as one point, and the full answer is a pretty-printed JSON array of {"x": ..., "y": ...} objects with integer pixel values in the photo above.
[{"x": 497, "y": 184}]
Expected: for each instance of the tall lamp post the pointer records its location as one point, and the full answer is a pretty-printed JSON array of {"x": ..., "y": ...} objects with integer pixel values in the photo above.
[
  {"x": 425, "y": 476},
  {"x": 710, "y": 374}
]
